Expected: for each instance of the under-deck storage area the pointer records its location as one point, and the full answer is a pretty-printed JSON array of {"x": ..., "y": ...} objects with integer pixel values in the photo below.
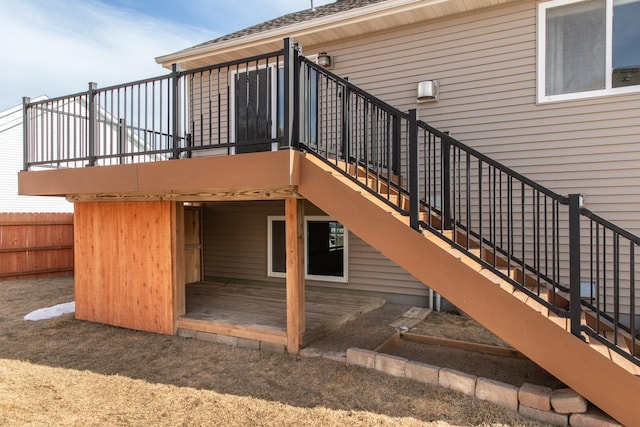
[{"x": 260, "y": 313}]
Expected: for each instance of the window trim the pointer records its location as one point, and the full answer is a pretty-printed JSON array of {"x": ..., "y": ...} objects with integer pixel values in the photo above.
[
  {"x": 541, "y": 58},
  {"x": 336, "y": 279},
  {"x": 270, "y": 272}
]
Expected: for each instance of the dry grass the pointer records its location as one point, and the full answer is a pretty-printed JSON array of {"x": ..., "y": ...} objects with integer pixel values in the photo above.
[
  {"x": 457, "y": 327},
  {"x": 67, "y": 372}
]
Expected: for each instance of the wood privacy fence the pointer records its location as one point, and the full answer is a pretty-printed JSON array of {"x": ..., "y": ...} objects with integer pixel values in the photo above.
[{"x": 35, "y": 245}]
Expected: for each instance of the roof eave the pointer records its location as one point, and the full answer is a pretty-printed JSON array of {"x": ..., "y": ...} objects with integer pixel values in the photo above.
[
  {"x": 341, "y": 19},
  {"x": 263, "y": 37}
]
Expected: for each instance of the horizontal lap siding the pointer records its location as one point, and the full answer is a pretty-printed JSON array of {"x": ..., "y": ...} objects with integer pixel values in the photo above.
[
  {"x": 369, "y": 270},
  {"x": 486, "y": 64},
  {"x": 11, "y": 156},
  {"x": 210, "y": 105},
  {"x": 235, "y": 247}
]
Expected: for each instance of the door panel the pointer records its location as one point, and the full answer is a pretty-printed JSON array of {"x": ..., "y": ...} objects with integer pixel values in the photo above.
[
  {"x": 192, "y": 244},
  {"x": 253, "y": 110}
]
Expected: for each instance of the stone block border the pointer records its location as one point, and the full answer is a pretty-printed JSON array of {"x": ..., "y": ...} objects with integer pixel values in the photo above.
[
  {"x": 539, "y": 403},
  {"x": 232, "y": 341},
  {"x": 562, "y": 407}
]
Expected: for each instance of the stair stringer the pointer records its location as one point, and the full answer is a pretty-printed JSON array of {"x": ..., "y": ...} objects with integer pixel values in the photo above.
[{"x": 460, "y": 281}]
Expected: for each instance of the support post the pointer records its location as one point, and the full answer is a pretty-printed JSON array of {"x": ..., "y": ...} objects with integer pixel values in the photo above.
[
  {"x": 414, "y": 193},
  {"x": 291, "y": 134},
  {"x": 25, "y": 132},
  {"x": 295, "y": 268},
  {"x": 175, "y": 109},
  {"x": 575, "y": 306},
  {"x": 91, "y": 107},
  {"x": 446, "y": 184}
]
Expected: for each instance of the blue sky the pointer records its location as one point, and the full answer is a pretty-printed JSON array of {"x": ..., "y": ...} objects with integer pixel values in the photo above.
[{"x": 55, "y": 47}]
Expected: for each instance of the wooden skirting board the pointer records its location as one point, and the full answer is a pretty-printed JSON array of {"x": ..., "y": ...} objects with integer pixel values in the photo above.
[{"x": 463, "y": 345}]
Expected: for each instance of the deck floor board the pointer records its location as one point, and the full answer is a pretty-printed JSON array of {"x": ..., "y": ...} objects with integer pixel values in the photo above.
[{"x": 264, "y": 307}]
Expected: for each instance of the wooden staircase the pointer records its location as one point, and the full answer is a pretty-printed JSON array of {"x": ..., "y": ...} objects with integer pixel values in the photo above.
[{"x": 601, "y": 375}]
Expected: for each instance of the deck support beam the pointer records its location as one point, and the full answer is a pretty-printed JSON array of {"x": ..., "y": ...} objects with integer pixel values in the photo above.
[{"x": 294, "y": 225}]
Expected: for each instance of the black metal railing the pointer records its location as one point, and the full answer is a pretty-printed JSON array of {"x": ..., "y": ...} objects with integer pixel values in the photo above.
[
  {"x": 522, "y": 231},
  {"x": 220, "y": 109},
  {"x": 609, "y": 294},
  {"x": 355, "y": 132},
  {"x": 503, "y": 219},
  {"x": 547, "y": 245}
]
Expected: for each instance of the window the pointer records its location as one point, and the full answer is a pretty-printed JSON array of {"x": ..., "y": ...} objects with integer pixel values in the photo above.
[
  {"x": 588, "y": 48},
  {"x": 326, "y": 254}
]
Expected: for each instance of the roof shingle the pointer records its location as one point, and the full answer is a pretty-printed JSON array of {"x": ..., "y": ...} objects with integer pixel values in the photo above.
[{"x": 294, "y": 18}]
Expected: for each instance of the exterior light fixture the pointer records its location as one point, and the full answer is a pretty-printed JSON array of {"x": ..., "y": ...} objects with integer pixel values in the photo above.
[{"x": 324, "y": 60}]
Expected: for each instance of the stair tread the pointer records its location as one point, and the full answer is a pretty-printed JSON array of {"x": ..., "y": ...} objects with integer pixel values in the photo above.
[
  {"x": 531, "y": 302},
  {"x": 600, "y": 348},
  {"x": 489, "y": 274},
  {"x": 613, "y": 355},
  {"x": 563, "y": 322}
]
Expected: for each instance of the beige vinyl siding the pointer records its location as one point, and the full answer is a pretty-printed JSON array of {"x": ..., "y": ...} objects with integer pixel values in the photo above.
[
  {"x": 486, "y": 64},
  {"x": 235, "y": 239},
  {"x": 209, "y": 108},
  {"x": 369, "y": 270},
  {"x": 235, "y": 247}
]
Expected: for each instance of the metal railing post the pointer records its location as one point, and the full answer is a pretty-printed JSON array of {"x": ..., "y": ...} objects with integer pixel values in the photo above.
[
  {"x": 91, "y": 106},
  {"x": 122, "y": 139},
  {"x": 291, "y": 134},
  {"x": 395, "y": 147},
  {"x": 175, "y": 107},
  {"x": 575, "y": 306},
  {"x": 25, "y": 132},
  {"x": 345, "y": 131},
  {"x": 414, "y": 193},
  {"x": 446, "y": 184}
]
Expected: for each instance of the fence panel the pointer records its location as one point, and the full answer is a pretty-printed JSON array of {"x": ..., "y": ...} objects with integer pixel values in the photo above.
[{"x": 35, "y": 245}]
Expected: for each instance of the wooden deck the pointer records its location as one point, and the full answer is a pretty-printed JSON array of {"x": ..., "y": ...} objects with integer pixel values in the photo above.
[{"x": 259, "y": 312}]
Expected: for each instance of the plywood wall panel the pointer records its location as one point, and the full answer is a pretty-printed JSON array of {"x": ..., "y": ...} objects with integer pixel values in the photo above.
[{"x": 125, "y": 264}]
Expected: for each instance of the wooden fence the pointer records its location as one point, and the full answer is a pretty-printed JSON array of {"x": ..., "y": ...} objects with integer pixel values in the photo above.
[{"x": 35, "y": 245}]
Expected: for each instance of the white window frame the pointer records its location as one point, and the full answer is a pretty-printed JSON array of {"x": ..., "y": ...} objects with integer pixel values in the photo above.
[
  {"x": 542, "y": 97},
  {"x": 274, "y": 100},
  {"x": 338, "y": 279}
]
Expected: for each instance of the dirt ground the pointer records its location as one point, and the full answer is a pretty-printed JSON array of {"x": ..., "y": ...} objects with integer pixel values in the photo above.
[
  {"x": 511, "y": 370},
  {"x": 67, "y": 372}
]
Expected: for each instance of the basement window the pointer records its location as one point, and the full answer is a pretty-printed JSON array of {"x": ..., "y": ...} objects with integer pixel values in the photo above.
[
  {"x": 326, "y": 248},
  {"x": 588, "y": 48}
]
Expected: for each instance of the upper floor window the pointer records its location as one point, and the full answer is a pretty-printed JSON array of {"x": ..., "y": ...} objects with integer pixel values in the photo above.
[{"x": 588, "y": 48}]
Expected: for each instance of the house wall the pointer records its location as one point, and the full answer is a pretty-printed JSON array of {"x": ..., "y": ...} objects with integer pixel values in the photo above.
[
  {"x": 11, "y": 162},
  {"x": 125, "y": 269},
  {"x": 485, "y": 62},
  {"x": 235, "y": 247}
]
